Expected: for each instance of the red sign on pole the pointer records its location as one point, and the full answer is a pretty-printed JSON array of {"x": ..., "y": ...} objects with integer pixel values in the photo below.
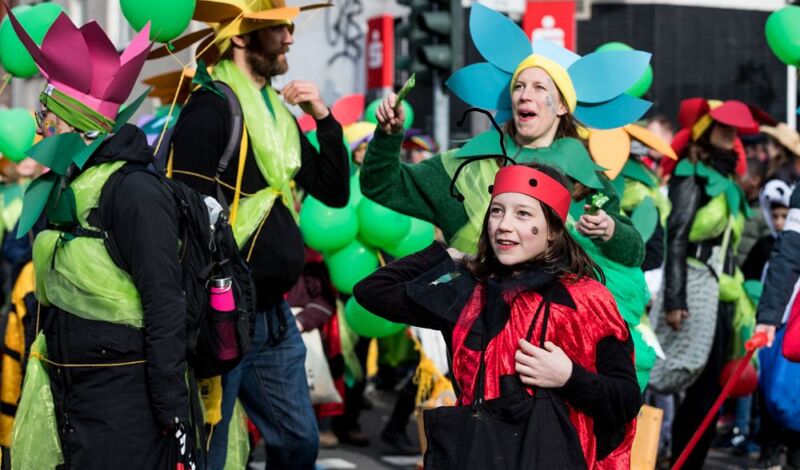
[
  {"x": 380, "y": 52},
  {"x": 552, "y": 20}
]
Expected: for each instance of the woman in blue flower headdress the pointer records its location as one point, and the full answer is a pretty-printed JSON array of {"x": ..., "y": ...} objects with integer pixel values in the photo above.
[{"x": 544, "y": 94}]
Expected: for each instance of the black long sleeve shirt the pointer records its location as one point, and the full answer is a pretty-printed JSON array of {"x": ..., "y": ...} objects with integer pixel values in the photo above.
[{"x": 276, "y": 253}]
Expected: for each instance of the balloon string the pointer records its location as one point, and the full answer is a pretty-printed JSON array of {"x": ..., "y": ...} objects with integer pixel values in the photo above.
[
  {"x": 381, "y": 260},
  {"x": 6, "y": 81},
  {"x": 169, "y": 114},
  {"x": 310, "y": 18},
  {"x": 223, "y": 30},
  {"x": 176, "y": 59}
]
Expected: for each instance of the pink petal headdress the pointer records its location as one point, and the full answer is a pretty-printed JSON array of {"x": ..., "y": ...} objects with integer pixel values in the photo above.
[{"x": 83, "y": 64}]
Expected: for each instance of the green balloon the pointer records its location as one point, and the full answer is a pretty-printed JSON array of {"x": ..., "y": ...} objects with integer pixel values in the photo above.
[
  {"x": 614, "y": 46},
  {"x": 326, "y": 228},
  {"x": 642, "y": 86},
  {"x": 168, "y": 18},
  {"x": 419, "y": 236},
  {"x": 369, "y": 113},
  {"x": 355, "y": 190},
  {"x": 350, "y": 265},
  {"x": 367, "y": 324},
  {"x": 314, "y": 141},
  {"x": 381, "y": 226},
  {"x": 783, "y": 34},
  {"x": 17, "y": 131},
  {"x": 37, "y": 21}
]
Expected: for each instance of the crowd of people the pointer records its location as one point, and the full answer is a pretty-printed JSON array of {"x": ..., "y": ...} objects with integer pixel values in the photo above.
[{"x": 567, "y": 286}]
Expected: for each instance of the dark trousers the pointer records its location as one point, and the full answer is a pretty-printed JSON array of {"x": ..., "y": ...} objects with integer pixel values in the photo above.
[{"x": 701, "y": 395}]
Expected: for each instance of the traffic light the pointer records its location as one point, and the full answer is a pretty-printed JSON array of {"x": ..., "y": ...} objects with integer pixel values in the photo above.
[{"x": 433, "y": 37}]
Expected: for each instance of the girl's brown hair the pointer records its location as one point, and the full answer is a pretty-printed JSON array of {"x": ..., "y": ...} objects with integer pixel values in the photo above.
[{"x": 563, "y": 255}]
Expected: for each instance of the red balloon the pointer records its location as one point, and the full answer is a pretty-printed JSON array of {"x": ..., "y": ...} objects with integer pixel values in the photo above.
[{"x": 747, "y": 382}]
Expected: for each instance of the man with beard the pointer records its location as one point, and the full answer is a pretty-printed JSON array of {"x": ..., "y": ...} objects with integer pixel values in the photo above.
[{"x": 270, "y": 381}]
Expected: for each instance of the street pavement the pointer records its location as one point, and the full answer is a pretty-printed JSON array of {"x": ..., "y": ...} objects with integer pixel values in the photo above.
[{"x": 378, "y": 455}]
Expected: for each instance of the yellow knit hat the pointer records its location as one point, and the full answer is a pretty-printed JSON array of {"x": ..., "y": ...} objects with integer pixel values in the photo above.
[{"x": 555, "y": 71}]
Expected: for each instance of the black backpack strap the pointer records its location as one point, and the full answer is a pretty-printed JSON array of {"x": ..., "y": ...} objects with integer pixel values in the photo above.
[
  {"x": 237, "y": 127},
  {"x": 165, "y": 154},
  {"x": 237, "y": 143}
]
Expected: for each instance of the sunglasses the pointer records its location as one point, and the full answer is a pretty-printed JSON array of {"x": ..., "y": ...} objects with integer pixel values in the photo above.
[{"x": 40, "y": 114}]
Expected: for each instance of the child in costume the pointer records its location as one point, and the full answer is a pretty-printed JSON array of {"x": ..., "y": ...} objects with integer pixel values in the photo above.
[
  {"x": 527, "y": 263},
  {"x": 774, "y": 202},
  {"x": 695, "y": 312},
  {"x": 105, "y": 385},
  {"x": 542, "y": 93}
]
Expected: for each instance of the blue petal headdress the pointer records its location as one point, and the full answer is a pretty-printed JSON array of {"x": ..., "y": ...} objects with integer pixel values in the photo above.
[{"x": 600, "y": 78}]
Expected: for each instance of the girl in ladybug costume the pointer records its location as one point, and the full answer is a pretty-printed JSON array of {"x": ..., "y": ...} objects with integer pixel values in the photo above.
[{"x": 536, "y": 339}]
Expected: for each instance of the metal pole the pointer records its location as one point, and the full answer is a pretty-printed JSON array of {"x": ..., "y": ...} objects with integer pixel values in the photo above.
[
  {"x": 791, "y": 96},
  {"x": 441, "y": 114}
]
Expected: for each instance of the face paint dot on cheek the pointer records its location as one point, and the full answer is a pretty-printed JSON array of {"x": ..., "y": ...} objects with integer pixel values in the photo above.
[{"x": 550, "y": 101}]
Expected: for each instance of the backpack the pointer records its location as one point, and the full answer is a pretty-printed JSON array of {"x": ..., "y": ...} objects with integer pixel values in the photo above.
[{"x": 209, "y": 252}]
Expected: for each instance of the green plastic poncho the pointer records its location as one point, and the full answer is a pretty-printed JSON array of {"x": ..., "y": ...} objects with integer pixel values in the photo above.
[
  {"x": 68, "y": 268},
  {"x": 35, "y": 435},
  {"x": 276, "y": 146}
]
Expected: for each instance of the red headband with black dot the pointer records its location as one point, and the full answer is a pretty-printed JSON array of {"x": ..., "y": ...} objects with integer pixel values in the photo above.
[{"x": 534, "y": 183}]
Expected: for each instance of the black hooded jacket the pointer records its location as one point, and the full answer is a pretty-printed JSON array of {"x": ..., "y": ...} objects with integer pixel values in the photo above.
[{"x": 142, "y": 220}]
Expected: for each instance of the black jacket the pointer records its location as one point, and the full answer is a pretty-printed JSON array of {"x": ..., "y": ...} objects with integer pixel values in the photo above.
[
  {"x": 654, "y": 250},
  {"x": 112, "y": 416},
  {"x": 276, "y": 254},
  {"x": 687, "y": 195},
  {"x": 784, "y": 267}
]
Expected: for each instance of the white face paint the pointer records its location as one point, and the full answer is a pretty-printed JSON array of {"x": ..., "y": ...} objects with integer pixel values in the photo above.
[{"x": 536, "y": 108}]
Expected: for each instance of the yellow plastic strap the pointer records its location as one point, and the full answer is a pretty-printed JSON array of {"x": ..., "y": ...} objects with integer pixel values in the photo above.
[
  {"x": 42, "y": 358},
  {"x": 211, "y": 394},
  {"x": 169, "y": 161},
  {"x": 239, "y": 174}
]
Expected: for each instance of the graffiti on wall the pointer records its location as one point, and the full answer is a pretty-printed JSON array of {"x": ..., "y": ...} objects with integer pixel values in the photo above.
[{"x": 344, "y": 32}]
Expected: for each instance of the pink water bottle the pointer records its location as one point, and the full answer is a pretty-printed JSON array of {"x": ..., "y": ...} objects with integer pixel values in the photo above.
[{"x": 221, "y": 300}]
